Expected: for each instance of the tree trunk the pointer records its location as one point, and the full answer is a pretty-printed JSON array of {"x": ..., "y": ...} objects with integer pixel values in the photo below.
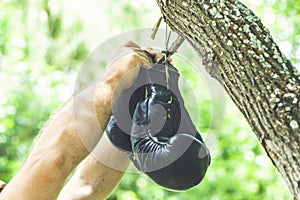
[{"x": 240, "y": 53}]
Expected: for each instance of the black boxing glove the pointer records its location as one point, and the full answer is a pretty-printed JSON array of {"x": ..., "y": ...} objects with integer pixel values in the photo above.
[
  {"x": 165, "y": 143},
  {"x": 120, "y": 122},
  {"x": 119, "y": 125}
]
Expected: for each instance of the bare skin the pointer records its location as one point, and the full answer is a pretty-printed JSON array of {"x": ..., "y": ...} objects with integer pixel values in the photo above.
[
  {"x": 2, "y": 185},
  {"x": 60, "y": 147},
  {"x": 96, "y": 177}
]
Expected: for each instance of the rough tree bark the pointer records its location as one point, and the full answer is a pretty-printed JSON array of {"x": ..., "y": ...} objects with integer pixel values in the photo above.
[{"x": 240, "y": 53}]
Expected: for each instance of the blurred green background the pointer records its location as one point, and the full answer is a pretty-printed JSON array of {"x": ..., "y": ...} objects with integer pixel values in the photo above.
[{"x": 43, "y": 44}]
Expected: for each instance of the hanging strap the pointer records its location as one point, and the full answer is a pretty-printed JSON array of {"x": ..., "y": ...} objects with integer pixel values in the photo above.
[{"x": 168, "y": 51}]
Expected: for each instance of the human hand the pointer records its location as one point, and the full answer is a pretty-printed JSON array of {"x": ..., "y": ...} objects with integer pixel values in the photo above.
[
  {"x": 125, "y": 64},
  {"x": 156, "y": 55}
]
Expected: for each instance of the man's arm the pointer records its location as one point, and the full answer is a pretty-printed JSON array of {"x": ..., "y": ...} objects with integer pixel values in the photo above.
[
  {"x": 99, "y": 173},
  {"x": 60, "y": 148}
]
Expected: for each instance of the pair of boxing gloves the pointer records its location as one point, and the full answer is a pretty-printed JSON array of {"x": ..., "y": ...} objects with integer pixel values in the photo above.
[{"x": 151, "y": 124}]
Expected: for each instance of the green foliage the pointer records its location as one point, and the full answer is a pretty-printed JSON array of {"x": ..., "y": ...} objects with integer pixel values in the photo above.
[
  {"x": 42, "y": 45},
  {"x": 31, "y": 86}
]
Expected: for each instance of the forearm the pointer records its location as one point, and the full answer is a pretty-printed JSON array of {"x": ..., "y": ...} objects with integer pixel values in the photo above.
[
  {"x": 74, "y": 131},
  {"x": 97, "y": 175},
  {"x": 63, "y": 143}
]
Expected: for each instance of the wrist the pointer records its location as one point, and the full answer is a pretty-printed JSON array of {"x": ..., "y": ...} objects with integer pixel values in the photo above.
[
  {"x": 106, "y": 93},
  {"x": 116, "y": 81}
]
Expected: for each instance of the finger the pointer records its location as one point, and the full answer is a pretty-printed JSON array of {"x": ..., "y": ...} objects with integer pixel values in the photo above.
[
  {"x": 156, "y": 54},
  {"x": 153, "y": 52},
  {"x": 146, "y": 56},
  {"x": 145, "y": 63},
  {"x": 131, "y": 45},
  {"x": 149, "y": 50},
  {"x": 170, "y": 60}
]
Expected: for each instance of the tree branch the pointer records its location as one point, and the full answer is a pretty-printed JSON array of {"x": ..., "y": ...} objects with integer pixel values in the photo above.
[{"x": 240, "y": 53}]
